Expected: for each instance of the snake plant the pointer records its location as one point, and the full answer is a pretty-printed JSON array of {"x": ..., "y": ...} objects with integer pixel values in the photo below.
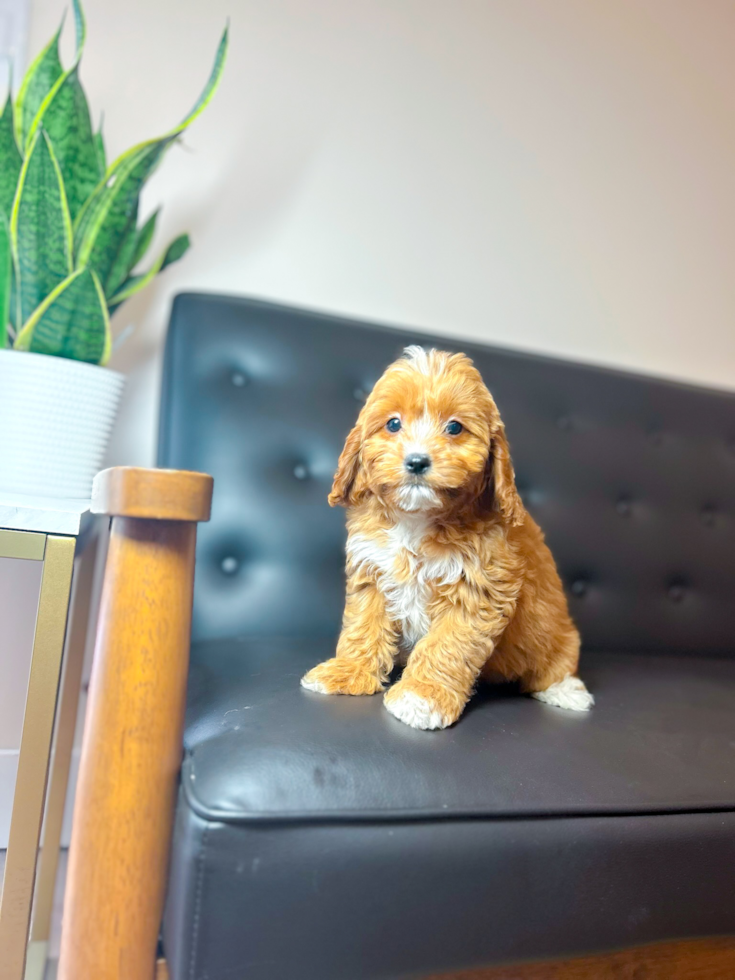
[{"x": 70, "y": 239}]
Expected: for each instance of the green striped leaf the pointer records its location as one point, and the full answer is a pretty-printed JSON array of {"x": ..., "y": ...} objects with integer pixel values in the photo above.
[
  {"x": 14, "y": 315},
  {"x": 64, "y": 114},
  {"x": 171, "y": 254},
  {"x": 71, "y": 322},
  {"x": 210, "y": 88},
  {"x": 134, "y": 246},
  {"x": 10, "y": 159},
  {"x": 81, "y": 34},
  {"x": 5, "y": 270},
  {"x": 143, "y": 239},
  {"x": 40, "y": 228},
  {"x": 37, "y": 83},
  {"x": 104, "y": 221},
  {"x": 123, "y": 260},
  {"x": 66, "y": 120},
  {"x": 99, "y": 143},
  {"x": 80, "y": 28}
]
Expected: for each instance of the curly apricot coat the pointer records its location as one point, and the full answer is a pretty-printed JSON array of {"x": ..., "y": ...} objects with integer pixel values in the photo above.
[{"x": 445, "y": 567}]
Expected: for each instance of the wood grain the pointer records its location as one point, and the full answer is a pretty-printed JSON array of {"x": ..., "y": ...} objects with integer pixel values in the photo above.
[
  {"x": 172, "y": 495},
  {"x": 131, "y": 751},
  {"x": 705, "y": 959}
]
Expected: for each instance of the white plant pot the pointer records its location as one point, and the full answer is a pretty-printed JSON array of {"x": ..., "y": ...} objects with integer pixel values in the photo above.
[{"x": 56, "y": 416}]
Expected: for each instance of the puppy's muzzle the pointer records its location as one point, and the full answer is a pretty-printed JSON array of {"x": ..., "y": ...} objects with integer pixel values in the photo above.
[{"x": 417, "y": 463}]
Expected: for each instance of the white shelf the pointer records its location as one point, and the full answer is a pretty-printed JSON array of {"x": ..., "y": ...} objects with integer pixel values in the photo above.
[{"x": 49, "y": 515}]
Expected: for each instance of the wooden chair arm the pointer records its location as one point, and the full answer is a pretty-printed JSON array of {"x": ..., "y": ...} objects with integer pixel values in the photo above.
[
  {"x": 131, "y": 750},
  {"x": 162, "y": 495}
]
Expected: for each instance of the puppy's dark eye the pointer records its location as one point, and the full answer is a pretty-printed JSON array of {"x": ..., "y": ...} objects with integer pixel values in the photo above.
[
  {"x": 453, "y": 428},
  {"x": 393, "y": 425}
]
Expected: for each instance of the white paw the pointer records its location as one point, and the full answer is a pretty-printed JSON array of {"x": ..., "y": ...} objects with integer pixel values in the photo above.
[
  {"x": 569, "y": 693},
  {"x": 416, "y": 711},
  {"x": 314, "y": 686}
]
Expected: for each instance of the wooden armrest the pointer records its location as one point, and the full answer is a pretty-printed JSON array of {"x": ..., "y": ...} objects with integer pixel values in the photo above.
[
  {"x": 162, "y": 495},
  {"x": 131, "y": 751}
]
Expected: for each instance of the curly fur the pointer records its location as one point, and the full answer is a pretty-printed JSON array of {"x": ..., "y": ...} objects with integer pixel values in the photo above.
[{"x": 446, "y": 568}]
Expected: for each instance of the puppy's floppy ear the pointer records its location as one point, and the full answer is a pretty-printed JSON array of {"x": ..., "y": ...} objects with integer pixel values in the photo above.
[
  {"x": 501, "y": 483},
  {"x": 348, "y": 486}
]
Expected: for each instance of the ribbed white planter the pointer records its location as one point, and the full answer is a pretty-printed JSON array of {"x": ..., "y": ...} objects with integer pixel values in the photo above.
[{"x": 56, "y": 416}]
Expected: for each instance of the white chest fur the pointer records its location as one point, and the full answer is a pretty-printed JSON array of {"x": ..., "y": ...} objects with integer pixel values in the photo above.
[{"x": 405, "y": 574}]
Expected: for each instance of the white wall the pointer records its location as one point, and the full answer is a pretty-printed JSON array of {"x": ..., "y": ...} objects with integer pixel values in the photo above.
[{"x": 555, "y": 176}]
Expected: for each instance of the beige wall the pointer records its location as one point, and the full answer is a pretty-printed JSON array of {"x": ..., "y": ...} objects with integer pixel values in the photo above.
[{"x": 548, "y": 175}]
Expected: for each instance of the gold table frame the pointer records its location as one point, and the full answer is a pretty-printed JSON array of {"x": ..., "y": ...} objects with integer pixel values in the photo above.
[{"x": 47, "y": 740}]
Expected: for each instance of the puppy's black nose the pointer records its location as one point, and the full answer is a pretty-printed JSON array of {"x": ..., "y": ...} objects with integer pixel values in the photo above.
[{"x": 417, "y": 463}]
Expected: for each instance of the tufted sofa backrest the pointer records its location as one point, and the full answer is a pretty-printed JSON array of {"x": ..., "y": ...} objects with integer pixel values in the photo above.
[{"x": 633, "y": 479}]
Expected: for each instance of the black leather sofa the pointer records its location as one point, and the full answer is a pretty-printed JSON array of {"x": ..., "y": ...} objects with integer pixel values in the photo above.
[{"x": 318, "y": 838}]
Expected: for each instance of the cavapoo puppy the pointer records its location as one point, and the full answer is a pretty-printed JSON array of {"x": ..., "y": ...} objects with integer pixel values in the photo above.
[{"x": 445, "y": 568}]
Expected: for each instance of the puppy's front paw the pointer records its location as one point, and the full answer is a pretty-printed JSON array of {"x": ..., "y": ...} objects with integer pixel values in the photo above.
[
  {"x": 340, "y": 676},
  {"x": 424, "y": 706}
]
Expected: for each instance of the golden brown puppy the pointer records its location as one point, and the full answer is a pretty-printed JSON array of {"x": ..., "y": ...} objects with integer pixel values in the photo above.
[{"x": 444, "y": 564}]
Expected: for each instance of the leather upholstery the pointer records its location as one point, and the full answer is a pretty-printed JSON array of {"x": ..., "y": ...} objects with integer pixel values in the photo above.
[
  {"x": 320, "y": 838},
  {"x": 633, "y": 480},
  {"x": 335, "y": 901},
  {"x": 661, "y": 739}
]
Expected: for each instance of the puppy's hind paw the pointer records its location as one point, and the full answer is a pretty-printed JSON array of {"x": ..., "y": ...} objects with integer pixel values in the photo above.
[{"x": 569, "y": 693}]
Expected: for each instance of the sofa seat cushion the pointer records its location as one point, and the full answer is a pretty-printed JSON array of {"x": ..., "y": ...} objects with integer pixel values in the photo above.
[
  {"x": 319, "y": 838},
  {"x": 661, "y": 739}
]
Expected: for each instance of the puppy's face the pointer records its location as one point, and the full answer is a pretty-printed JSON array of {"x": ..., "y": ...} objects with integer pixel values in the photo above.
[{"x": 429, "y": 434}]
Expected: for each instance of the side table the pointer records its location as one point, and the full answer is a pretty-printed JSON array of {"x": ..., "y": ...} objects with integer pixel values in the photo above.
[{"x": 54, "y": 532}]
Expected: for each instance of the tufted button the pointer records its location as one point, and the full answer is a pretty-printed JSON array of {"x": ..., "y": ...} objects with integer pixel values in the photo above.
[
  {"x": 229, "y": 565},
  {"x": 624, "y": 507},
  {"x": 579, "y": 587},
  {"x": 300, "y": 471},
  {"x": 564, "y": 423},
  {"x": 676, "y": 591},
  {"x": 238, "y": 379},
  {"x": 707, "y": 515},
  {"x": 361, "y": 392},
  {"x": 656, "y": 437}
]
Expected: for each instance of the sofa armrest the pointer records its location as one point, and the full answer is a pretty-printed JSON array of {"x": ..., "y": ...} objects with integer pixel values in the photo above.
[
  {"x": 161, "y": 495},
  {"x": 131, "y": 749}
]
